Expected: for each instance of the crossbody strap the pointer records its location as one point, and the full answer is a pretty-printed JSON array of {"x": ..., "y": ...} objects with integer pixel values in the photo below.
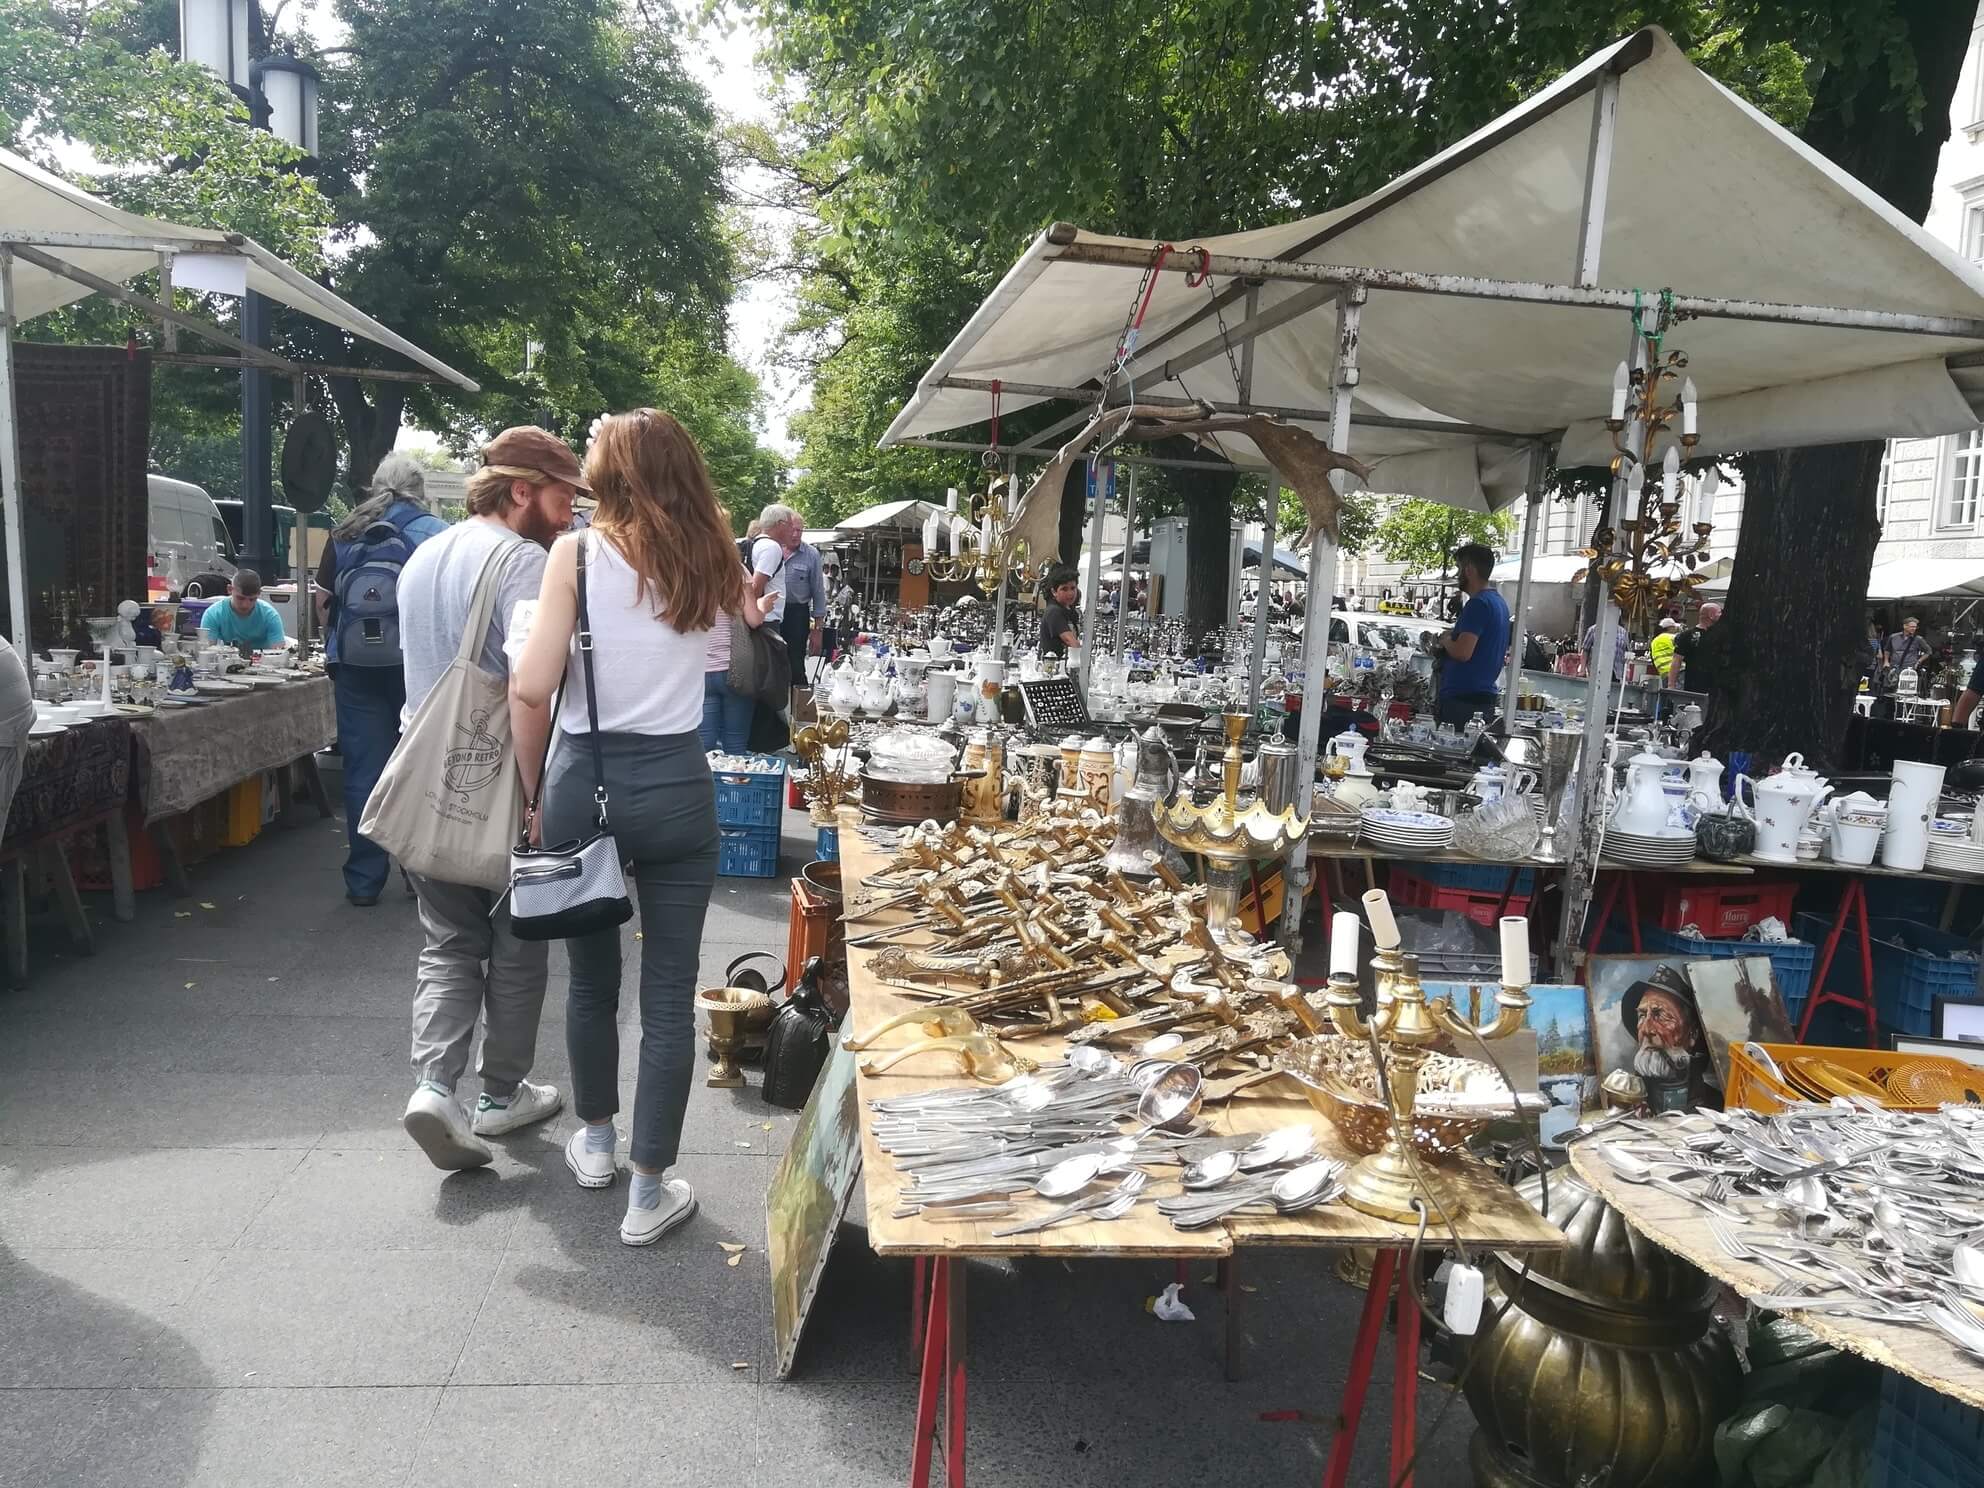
[{"x": 592, "y": 691}]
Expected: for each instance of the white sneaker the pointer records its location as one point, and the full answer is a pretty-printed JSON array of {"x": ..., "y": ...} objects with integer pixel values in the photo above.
[
  {"x": 592, "y": 1169},
  {"x": 528, "y": 1103},
  {"x": 645, "y": 1226},
  {"x": 441, "y": 1128}
]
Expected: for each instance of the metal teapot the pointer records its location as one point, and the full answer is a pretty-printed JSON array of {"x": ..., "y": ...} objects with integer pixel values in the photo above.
[{"x": 1137, "y": 846}]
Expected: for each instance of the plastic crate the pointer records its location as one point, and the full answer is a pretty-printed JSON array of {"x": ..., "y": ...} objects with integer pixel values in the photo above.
[
  {"x": 1792, "y": 962},
  {"x": 1720, "y": 911},
  {"x": 751, "y": 798},
  {"x": 826, "y": 844},
  {"x": 1487, "y": 878},
  {"x": 244, "y": 813},
  {"x": 1410, "y": 891},
  {"x": 1924, "y": 1439},
  {"x": 747, "y": 852},
  {"x": 1911, "y": 969},
  {"x": 1751, "y": 1088}
]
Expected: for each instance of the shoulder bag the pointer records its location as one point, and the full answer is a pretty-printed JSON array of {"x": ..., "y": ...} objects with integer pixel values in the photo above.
[
  {"x": 449, "y": 800},
  {"x": 760, "y": 666},
  {"x": 578, "y": 887}
]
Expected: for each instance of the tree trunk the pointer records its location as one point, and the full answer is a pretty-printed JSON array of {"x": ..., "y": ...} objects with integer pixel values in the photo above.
[
  {"x": 1786, "y": 652},
  {"x": 371, "y": 425},
  {"x": 1207, "y": 497}
]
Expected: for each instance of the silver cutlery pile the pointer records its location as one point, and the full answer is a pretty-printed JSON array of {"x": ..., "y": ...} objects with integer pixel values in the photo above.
[
  {"x": 970, "y": 1154},
  {"x": 1857, "y": 1210}
]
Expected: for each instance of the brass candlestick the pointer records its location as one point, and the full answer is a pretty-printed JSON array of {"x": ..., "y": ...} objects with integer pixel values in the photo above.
[
  {"x": 1390, "y": 1181},
  {"x": 1227, "y": 835}
]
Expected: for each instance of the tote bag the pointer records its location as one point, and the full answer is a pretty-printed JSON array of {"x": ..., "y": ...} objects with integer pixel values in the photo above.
[{"x": 449, "y": 801}]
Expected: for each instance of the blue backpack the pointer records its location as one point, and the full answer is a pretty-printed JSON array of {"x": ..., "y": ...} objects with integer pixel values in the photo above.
[{"x": 366, "y": 632}]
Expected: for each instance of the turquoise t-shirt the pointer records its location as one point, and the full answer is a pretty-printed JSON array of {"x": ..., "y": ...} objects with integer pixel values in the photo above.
[{"x": 259, "y": 630}]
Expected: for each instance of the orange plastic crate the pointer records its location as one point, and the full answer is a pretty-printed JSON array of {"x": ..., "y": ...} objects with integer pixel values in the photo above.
[{"x": 1751, "y": 1089}]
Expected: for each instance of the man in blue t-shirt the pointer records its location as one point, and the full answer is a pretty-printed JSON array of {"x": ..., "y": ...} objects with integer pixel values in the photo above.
[
  {"x": 1477, "y": 645},
  {"x": 244, "y": 618}
]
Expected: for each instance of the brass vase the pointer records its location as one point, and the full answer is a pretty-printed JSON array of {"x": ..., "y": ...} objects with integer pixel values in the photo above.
[
  {"x": 734, "y": 1014},
  {"x": 1609, "y": 1368}
]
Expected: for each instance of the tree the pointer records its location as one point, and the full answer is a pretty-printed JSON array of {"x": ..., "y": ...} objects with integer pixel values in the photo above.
[{"x": 1422, "y": 535}]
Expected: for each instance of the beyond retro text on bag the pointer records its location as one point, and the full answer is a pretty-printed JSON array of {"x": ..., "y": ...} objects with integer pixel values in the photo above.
[
  {"x": 577, "y": 887},
  {"x": 449, "y": 800}
]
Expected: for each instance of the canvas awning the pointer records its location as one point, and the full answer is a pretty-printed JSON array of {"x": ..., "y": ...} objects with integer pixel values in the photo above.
[
  {"x": 40, "y": 209},
  {"x": 898, "y": 516},
  {"x": 1545, "y": 568},
  {"x": 1927, "y": 578},
  {"x": 1755, "y": 234}
]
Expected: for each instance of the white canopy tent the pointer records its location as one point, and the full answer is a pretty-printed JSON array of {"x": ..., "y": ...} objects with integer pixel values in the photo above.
[
  {"x": 1465, "y": 345},
  {"x": 59, "y": 244}
]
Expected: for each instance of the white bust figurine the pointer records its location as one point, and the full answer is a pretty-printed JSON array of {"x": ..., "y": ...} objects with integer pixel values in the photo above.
[{"x": 127, "y": 629}]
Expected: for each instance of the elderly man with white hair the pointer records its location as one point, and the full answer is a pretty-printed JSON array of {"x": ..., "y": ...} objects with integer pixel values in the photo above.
[
  {"x": 778, "y": 538},
  {"x": 1693, "y": 670}
]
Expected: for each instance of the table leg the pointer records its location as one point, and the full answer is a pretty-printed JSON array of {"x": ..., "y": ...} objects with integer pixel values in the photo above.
[
  {"x": 170, "y": 864},
  {"x": 954, "y": 1387},
  {"x": 1818, "y": 994},
  {"x": 1405, "y": 1383},
  {"x": 14, "y": 910},
  {"x": 1229, "y": 1288},
  {"x": 1362, "y": 1355},
  {"x": 1604, "y": 913},
  {"x": 313, "y": 784},
  {"x": 1629, "y": 888},
  {"x": 1859, "y": 892},
  {"x": 1508, "y": 893},
  {"x": 919, "y": 1296},
  {"x": 55, "y": 862},
  {"x": 117, "y": 848},
  {"x": 932, "y": 1376}
]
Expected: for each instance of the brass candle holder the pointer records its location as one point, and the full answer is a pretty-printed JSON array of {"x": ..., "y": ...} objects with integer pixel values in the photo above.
[
  {"x": 1228, "y": 836},
  {"x": 825, "y": 785},
  {"x": 1392, "y": 1183}
]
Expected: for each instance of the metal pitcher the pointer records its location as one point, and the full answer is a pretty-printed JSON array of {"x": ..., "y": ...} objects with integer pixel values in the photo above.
[{"x": 1137, "y": 844}]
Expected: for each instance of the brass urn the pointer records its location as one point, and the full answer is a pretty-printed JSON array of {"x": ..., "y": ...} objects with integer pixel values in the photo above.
[{"x": 1609, "y": 1368}]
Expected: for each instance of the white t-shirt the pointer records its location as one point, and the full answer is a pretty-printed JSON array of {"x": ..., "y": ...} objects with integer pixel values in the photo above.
[
  {"x": 650, "y": 674},
  {"x": 768, "y": 558},
  {"x": 435, "y": 588}
]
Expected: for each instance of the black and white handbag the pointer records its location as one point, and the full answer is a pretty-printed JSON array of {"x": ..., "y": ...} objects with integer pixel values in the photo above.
[{"x": 577, "y": 887}]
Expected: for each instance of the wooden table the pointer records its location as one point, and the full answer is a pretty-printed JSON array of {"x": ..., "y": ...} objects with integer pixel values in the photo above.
[
  {"x": 1496, "y": 1218},
  {"x": 1674, "y": 1224}
]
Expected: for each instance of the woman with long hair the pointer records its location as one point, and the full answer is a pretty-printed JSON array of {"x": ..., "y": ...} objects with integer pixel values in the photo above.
[
  {"x": 359, "y": 604},
  {"x": 661, "y": 571}
]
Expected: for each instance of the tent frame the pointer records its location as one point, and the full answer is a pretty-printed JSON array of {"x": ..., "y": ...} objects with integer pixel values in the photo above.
[
  {"x": 1346, "y": 289},
  {"x": 27, "y": 246}
]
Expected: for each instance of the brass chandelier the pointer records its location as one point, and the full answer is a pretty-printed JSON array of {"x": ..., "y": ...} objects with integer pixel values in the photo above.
[{"x": 984, "y": 552}]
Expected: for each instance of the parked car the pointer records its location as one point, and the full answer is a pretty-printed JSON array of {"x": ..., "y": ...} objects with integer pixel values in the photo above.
[
  {"x": 1381, "y": 632},
  {"x": 320, "y": 525},
  {"x": 189, "y": 550}
]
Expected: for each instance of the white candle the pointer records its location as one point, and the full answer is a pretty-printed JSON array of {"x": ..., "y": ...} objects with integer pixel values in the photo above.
[
  {"x": 1013, "y": 492},
  {"x": 951, "y": 499},
  {"x": 1515, "y": 951},
  {"x": 1384, "y": 929},
  {"x": 930, "y": 533},
  {"x": 985, "y": 532},
  {"x": 957, "y": 536},
  {"x": 1705, "y": 497},
  {"x": 1344, "y": 932},
  {"x": 1670, "y": 474},
  {"x": 1635, "y": 483},
  {"x": 1620, "y": 377},
  {"x": 1688, "y": 405}
]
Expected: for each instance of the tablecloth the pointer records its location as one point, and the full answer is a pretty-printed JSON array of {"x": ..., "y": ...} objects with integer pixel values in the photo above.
[
  {"x": 186, "y": 755},
  {"x": 70, "y": 777}
]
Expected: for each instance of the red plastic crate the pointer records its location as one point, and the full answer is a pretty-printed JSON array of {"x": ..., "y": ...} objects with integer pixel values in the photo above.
[
  {"x": 1410, "y": 891},
  {"x": 1721, "y": 911},
  {"x": 794, "y": 797}
]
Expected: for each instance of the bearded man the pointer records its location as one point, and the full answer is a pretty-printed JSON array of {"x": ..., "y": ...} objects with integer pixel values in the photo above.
[{"x": 1672, "y": 1056}]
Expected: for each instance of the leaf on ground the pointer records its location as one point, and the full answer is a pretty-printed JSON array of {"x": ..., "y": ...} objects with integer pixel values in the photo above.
[
  {"x": 741, "y": 1364},
  {"x": 768, "y": 1126},
  {"x": 191, "y": 985},
  {"x": 639, "y": 936},
  {"x": 734, "y": 1260},
  {"x": 275, "y": 979},
  {"x": 205, "y": 905},
  {"x": 740, "y": 1144},
  {"x": 730, "y": 1247},
  {"x": 1245, "y": 1288},
  {"x": 182, "y": 914}
]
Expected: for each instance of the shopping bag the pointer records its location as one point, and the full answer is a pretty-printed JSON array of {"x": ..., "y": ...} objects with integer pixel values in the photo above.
[{"x": 448, "y": 804}]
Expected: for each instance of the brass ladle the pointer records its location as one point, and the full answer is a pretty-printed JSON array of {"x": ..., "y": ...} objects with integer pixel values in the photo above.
[
  {"x": 936, "y": 1022},
  {"x": 978, "y": 1055}
]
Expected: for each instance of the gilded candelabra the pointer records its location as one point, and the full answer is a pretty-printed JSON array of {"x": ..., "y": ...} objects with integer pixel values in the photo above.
[
  {"x": 822, "y": 748},
  {"x": 1649, "y": 550},
  {"x": 985, "y": 552},
  {"x": 1227, "y": 835},
  {"x": 1390, "y": 1180}
]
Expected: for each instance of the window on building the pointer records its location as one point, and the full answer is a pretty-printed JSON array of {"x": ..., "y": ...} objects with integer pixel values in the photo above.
[
  {"x": 1881, "y": 487},
  {"x": 1966, "y": 477},
  {"x": 1973, "y": 231}
]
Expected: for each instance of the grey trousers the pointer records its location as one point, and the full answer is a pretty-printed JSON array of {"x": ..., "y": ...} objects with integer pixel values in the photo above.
[
  {"x": 662, "y": 808},
  {"x": 473, "y": 969}
]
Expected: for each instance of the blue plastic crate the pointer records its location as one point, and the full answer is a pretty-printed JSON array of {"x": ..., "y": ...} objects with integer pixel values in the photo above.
[
  {"x": 826, "y": 845},
  {"x": 1483, "y": 878},
  {"x": 1911, "y": 969},
  {"x": 754, "y": 797},
  {"x": 1924, "y": 1439},
  {"x": 747, "y": 852},
  {"x": 1792, "y": 961}
]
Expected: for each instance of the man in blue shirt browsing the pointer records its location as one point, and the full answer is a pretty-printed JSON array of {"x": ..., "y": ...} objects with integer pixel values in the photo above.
[
  {"x": 1477, "y": 645},
  {"x": 244, "y": 618}
]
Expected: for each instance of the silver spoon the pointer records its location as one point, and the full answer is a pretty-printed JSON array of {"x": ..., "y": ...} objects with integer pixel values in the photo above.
[{"x": 1211, "y": 1170}]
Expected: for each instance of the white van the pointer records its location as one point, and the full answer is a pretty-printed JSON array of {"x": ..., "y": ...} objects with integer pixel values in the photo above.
[{"x": 191, "y": 555}]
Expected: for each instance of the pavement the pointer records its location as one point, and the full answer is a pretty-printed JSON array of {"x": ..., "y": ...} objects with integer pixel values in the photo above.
[{"x": 223, "y": 1263}]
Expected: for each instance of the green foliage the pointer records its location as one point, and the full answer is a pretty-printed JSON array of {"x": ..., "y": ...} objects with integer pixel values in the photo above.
[{"x": 1422, "y": 535}]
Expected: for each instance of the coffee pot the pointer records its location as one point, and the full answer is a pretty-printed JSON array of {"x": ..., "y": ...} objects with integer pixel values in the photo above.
[
  {"x": 1643, "y": 806},
  {"x": 876, "y": 692},
  {"x": 1705, "y": 782},
  {"x": 1138, "y": 845},
  {"x": 1784, "y": 803},
  {"x": 845, "y": 694}
]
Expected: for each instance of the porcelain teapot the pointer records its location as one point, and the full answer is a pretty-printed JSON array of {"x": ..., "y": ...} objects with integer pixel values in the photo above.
[
  {"x": 845, "y": 694},
  {"x": 877, "y": 692},
  {"x": 1784, "y": 803},
  {"x": 1643, "y": 806},
  {"x": 1349, "y": 745},
  {"x": 1492, "y": 782},
  {"x": 1705, "y": 782}
]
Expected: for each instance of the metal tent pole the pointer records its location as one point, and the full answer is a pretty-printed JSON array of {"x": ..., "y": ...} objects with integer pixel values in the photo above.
[
  {"x": 998, "y": 638},
  {"x": 1518, "y": 612},
  {"x": 10, "y": 473},
  {"x": 1129, "y": 552},
  {"x": 1098, "y": 483},
  {"x": 1257, "y": 657},
  {"x": 1316, "y": 617}
]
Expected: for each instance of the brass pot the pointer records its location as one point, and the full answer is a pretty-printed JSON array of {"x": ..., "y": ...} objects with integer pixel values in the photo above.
[
  {"x": 1609, "y": 1369},
  {"x": 734, "y": 1015},
  {"x": 905, "y": 803}
]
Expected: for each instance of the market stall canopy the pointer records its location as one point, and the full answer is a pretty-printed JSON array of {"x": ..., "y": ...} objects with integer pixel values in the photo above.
[
  {"x": 1752, "y": 229},
  {"x": 42, "y": 209},
  {"x": 1545, "y": 568},
  {"x": 1927, "y": 578},
  {"x": 898, "y": 516}
]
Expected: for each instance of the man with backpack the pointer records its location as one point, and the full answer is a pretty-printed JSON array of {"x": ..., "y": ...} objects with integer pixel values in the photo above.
[{"x": 360, "y": 579}]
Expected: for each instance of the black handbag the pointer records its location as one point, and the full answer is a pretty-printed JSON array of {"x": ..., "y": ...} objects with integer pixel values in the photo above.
[
  {"x": 578, "y": 887},
  {"x": 801, "y": 1038}
]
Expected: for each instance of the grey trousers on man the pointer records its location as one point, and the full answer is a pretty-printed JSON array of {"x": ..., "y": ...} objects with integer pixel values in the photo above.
[{"x": 473, "y": 969}]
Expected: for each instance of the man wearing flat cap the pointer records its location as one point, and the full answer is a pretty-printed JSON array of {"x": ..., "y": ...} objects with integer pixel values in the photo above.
[{"x": 1672, "y": 1056}]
